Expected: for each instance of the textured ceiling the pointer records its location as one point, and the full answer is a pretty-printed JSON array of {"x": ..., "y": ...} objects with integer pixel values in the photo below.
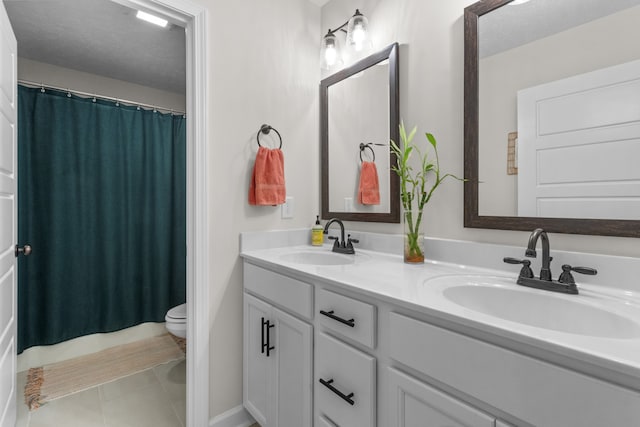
[
  {"x": 100, "y": 37},
  {"x": 511, "y": 26}
]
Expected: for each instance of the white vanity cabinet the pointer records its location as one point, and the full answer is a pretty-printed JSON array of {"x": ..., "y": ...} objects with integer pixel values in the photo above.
[
  {"x": 356, "y": 358},
  {"x": 278, "y": 351}
]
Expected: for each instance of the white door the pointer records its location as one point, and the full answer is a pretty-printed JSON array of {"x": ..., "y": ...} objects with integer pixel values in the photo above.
[
  {"x": 415, "y": 404},
  {"x": 8, "y": 211},
  {"x": 579, "y": 145},
  {"x": 294, "y": 374},
  {"x": 257, "y": 365}
]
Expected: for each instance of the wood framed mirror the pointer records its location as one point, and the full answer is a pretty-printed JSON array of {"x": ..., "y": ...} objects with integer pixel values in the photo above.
[
  {"x": 614, "y": 214},
  {"x": 360, "y": 105}
]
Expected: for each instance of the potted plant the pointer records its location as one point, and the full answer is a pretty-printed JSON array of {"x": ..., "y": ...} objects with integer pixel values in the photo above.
[{"x": 415, "y": 190}]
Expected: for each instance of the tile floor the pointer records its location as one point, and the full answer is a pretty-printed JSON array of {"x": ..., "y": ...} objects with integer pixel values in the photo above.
[{"x": 152, "y": 398}]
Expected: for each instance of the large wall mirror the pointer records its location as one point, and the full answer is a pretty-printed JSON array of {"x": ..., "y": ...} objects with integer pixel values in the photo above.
[
  {"x": 359, "y": 114},
  {"x": 552, "y": 116}
]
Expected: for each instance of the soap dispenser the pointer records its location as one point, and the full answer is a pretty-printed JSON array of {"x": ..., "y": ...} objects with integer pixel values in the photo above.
[{"x": 317, "y": 233}]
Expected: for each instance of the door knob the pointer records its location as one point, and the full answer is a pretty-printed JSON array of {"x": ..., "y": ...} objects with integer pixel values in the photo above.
[{"x": 24, "y": 250}]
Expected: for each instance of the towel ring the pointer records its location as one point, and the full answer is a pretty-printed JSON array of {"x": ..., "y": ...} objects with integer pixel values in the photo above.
[
  {"x": 362, "y": 148},
  {"x": 265, "y": 129}
]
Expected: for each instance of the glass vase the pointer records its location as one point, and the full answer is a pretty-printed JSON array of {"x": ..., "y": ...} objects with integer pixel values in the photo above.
[{"x": 414, "y": 236}]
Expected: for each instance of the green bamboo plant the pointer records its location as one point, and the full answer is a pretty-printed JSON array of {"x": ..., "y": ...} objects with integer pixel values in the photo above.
[{"x": 415, "y": 191}]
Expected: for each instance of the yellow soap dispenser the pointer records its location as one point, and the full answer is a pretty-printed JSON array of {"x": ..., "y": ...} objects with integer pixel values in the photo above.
[{"x": 317, "y": 233}]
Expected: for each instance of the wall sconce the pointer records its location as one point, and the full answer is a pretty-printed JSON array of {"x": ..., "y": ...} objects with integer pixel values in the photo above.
[{"x": 357, "y": 40}]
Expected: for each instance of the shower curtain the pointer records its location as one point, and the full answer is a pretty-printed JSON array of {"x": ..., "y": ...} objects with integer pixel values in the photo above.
[{"x": 102, "y": 202}]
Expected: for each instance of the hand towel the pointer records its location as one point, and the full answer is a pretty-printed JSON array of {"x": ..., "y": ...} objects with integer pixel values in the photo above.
[
  {"x": 267, "y": 179},
  {"x": 369, "y": 188}
]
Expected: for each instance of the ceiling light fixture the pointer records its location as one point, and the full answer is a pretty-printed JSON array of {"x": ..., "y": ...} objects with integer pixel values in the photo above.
[
  {"x": 517, "y": 2},
  {"x": 153, "y": 19},
  {"x": 358, "y": 40}
]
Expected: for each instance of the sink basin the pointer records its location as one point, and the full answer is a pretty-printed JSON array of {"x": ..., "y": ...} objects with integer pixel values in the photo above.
[
  {"x": 503, "y": 298},
  {"x": 318, "y": 258}
]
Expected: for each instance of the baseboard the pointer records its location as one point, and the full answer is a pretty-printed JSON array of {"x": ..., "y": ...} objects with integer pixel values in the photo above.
[{"x": 235, "y": 417}]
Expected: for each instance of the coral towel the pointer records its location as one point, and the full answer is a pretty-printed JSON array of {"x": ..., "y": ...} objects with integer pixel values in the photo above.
[
  {"x": 267, "y": 180},
  {"x": 369, "y": 188}
]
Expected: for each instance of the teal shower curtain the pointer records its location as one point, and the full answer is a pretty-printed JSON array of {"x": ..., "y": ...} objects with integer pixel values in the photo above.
[{"x": 102, "y": 202}]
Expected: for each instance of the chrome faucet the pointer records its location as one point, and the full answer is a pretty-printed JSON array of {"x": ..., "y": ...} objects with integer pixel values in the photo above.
[
  {"x": 565, "y": 283},
  {"x": 339, "y": 244},
  {"x": 545, "y": 271}
]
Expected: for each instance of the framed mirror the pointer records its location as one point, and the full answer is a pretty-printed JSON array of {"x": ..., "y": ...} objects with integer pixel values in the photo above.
[
  {"x": 359, "y": 114},
  {"x": 552, "y": 116}
]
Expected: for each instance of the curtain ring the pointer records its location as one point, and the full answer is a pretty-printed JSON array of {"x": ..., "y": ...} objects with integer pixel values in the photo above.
[
  {"x": 362, "y": 148},
  {"x": 265, "y": 129}
]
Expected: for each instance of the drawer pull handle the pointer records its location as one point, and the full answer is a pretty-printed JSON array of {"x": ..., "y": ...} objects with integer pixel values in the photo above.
[
  {"x": 351, "y": 322},
  {"x": 345, "y": 397}
]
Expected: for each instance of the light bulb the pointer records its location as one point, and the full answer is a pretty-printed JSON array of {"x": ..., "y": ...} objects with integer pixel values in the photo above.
[
  {"x": 330, "y": 55},
  {"x": 358, "y": 37}
]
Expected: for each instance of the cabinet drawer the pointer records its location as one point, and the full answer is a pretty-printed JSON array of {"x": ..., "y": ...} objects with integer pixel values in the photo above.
[
  {"x": 532, "y": 390},
  {"x": 291, "y": 294},
  {"x": 415, "y": 403},
  {"x": 345, "y": 370},
  {"x": 354, "y": 319}
]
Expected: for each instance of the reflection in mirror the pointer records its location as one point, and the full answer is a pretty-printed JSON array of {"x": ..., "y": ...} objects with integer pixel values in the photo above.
[
  {"x": 359, "y": 111},
  {"x": 358, "y": 114},
  {"x": 552, "y": 115}
]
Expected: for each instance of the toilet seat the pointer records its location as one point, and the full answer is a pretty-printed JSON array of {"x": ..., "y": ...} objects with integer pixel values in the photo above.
[
  {"x": 176, "y": 319},
  {"x": 177, "y": 314}
]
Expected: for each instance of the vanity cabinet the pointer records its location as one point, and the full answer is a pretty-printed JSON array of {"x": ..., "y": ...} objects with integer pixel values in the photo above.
[
  {"x": 359, "y": 359},
  {"x": 277, "y": 356}
]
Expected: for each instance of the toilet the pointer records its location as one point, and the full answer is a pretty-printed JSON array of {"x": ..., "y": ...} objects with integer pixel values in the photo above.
[{"x": 176, "y": 319}]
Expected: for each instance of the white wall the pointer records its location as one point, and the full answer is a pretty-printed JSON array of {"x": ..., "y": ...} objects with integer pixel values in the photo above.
[
  {"x": 431, "y": 35},
  {"x": 53, "y": 75},
  {"x": 597, "y": 44},
  {"x": 264, "y": 62}
]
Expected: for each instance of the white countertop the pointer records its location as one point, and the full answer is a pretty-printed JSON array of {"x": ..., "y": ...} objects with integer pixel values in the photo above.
[{"x": 387, "y": 277}]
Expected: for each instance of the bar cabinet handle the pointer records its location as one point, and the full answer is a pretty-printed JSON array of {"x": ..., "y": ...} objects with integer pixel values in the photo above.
[
  {"x": 346, "y": 397},
  {"x": 351, "y": 322}
]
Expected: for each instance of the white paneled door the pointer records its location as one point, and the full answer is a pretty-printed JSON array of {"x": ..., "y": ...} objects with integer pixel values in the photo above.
[
  {"x": 8, "y": 210},
  {"x": 579, "y": 145}
]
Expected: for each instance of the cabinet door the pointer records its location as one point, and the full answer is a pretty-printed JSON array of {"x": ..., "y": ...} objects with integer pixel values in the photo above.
[
  {"x": 257, "y": 366},
  {"x": 293, "y": 371},
  {"x": 415, "y": 404}
]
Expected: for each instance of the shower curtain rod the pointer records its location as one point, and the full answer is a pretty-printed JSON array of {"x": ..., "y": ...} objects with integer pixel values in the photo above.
[{"x": 104, "y": 97}]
